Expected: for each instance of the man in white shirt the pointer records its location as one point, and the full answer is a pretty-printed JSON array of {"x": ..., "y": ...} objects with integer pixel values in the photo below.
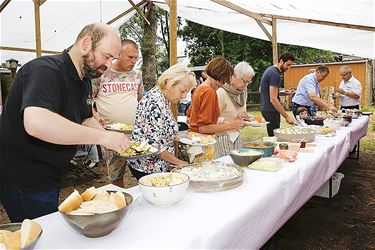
[
  {"x": 350, "y": 89},
  {"x": 117, "y": 93}
]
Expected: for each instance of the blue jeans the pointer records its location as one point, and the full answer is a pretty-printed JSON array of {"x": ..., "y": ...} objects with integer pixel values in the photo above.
[{"x": 21, "y": 205}]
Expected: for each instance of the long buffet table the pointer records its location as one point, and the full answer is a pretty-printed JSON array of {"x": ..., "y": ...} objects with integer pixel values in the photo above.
[{"x": 244, "y": 217}]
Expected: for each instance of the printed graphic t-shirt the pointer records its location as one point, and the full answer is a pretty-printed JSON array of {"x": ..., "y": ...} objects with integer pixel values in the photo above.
[{"x": 117, "y": 97}]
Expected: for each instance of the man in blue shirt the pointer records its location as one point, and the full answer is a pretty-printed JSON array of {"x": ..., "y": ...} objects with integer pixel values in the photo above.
[
  {"x": 270, "y": 105},
  {"x": 307, "y": 93}
]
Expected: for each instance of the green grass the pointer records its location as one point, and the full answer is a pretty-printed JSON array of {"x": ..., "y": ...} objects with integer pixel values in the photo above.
[{"x": 367, "y": 144}]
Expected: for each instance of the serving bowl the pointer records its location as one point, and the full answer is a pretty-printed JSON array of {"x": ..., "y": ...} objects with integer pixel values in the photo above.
[
  {"x": 346, "y": 120},
  {"x": 12, "y": 227},
  {"x": 164, "y": 189},
  {"x": 314, "y": 121},
  {"x": 244, "y": 157},
  {"x": 266, "y": 147},
  {"x": 98, "y": 225},
  {"x": 213, "y": 176}
]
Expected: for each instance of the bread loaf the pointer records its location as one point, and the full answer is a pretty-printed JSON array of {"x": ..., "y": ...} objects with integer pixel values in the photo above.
[
  {"x": 71, "y": 203},
  {"x": 118, "y": 198},
  {"x": 89, "y": 194},
  {"x": 30, "y": 230}
]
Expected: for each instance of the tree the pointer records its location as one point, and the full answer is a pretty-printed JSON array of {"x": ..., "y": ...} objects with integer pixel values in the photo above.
[
  {"x": 203, "y": 43},
  {"x": 154, "y": 45}
]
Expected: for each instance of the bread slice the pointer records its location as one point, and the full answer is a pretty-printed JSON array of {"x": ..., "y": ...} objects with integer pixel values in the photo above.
[
  {"x": 11, "y": 240},
  {"x": 89, "y": 194},
  {"x": 30, "y": 230},
  {"x": 71, "y": 203},
  {"x": 102, "y": 195},
  {"x": 118, "y": 199}
]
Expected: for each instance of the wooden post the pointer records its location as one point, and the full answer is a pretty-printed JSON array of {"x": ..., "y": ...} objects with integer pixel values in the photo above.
[
  {"x": 38, "y": 46},
  {"x": 173, "y": 41},
  {"x": 274, "y": 41},
  {"x": 172, "y": 32}
]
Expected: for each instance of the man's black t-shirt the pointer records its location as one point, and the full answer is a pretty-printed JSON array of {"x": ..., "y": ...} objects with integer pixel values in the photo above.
[
  {"x": 270, "y": 77},
  {"x": 49, "y": 82}
]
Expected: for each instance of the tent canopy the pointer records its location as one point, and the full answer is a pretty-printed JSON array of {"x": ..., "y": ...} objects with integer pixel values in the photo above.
[{"x": 61, "y": 21}]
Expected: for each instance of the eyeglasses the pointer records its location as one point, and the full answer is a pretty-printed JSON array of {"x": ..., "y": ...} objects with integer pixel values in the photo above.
[
  {"x": 344, "y": 74},
  {"x": 247, "y": 82}
]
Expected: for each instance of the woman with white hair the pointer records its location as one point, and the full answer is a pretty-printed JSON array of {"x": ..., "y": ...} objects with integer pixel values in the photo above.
[
  {"x": 232, "y": 101},
  {"x": 154, "y": 121}
]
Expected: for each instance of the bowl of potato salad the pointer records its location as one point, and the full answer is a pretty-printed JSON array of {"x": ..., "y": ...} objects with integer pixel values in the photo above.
[{"x": 164, "y": 189}]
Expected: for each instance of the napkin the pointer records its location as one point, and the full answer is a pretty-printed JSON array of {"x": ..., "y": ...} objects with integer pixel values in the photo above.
[
  {"x": 193, "y": 151},
  {"x": 233, "y": 135}
]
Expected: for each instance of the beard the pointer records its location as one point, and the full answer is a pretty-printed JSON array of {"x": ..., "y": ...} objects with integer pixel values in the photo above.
[
  {"x": 283, "y": 69},
  {"x": 89, "y": 71}
]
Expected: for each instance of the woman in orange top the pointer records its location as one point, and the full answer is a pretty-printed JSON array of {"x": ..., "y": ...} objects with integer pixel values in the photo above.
[{"x": 205, "y": 110}]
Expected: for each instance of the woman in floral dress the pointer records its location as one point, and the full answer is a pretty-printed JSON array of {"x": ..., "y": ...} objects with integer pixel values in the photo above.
[{"x": 155, "y": 123}]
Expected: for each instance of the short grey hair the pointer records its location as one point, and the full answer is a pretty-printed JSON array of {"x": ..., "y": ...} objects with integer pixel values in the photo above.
[
  {"x": 346, "y": 69},
  {"x": 243, "y": 68}
]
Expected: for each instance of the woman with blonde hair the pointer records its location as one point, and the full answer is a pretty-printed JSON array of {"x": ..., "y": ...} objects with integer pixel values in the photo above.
[{"x": 155, "y": 123}]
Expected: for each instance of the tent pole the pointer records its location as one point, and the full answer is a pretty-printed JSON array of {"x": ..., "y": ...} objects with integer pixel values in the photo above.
[
  {"x": 274, "y": 41},
  {"x": 172, "y": 32},
  {"x": 38, "y": 47},
  {"x": 4, "y": 4}
]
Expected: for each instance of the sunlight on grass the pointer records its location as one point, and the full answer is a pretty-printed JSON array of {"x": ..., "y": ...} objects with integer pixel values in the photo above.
[{"x": 367, "y": 144}]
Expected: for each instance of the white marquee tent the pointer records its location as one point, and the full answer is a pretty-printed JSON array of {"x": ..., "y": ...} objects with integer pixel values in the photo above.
[{"x": 343, "y": 26}]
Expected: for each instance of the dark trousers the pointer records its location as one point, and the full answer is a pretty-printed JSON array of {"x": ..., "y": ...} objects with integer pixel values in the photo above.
[
  {"x": 273, "y": 117},
  {"x": 21, "y": 205},
  {"x": 350, "y": 107},
  {"x": 137, "y": 174},
  {"x": 295, "y": 106}
]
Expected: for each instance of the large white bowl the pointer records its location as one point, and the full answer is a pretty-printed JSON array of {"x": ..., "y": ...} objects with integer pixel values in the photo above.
[{"x": 164, "y": 196}]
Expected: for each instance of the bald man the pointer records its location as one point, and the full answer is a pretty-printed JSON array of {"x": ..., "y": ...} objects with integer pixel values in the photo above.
[{"x": 47, "y": 113}]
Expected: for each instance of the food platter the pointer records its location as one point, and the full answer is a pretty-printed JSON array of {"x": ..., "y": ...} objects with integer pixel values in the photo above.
[
  {"x": 211, "y": 182},
  {"x": 119, "y": 127},
  {"x": 295, "y": 133},
  {"x": 139, "y": 150},
  {"x": 191, "y": 142}
]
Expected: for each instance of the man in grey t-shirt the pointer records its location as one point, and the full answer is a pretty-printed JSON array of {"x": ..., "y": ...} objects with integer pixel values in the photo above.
[{"x": 270, "y": 105}]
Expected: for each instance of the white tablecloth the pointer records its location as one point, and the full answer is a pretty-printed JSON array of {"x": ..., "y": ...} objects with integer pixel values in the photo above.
[{"x": 245, "y": 217}]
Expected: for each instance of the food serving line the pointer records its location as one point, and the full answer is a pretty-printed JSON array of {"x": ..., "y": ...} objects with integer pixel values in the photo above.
[{"x": 244, "y": 217}]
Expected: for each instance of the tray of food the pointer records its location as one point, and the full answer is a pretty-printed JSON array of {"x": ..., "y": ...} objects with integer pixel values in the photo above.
[
  {"x": 139, "y": 150},
  {"x": 195, "y": 139},
  {"x": 119, "y": 127},
  {"x": 295, "y": 133},
  {"x": 213, "y": 176},
  {"x": 257, "y": 122}
]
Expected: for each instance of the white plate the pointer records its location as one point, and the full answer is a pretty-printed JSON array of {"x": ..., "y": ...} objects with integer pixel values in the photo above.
[
  {"x": 187, "y": 141},
  {"x": 256, "y": 124}
]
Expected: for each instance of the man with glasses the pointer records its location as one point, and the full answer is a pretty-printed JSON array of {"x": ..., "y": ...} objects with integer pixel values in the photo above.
[
  {"x": 350, "y": 89},
  {"x": 117, "y": 93},
  {"x": 270, "y": 105},
  {"x": 307, "y": 93},
  {"x": 46, "y": 115}
]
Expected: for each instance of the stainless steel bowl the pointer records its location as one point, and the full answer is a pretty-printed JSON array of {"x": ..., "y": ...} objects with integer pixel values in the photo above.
[
  {"x": 98, "y": 225},
  {"x": 17, "y": 226}
]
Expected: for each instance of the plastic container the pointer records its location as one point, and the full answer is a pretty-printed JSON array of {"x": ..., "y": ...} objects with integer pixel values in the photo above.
[{"x": 336, "y": 181}]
